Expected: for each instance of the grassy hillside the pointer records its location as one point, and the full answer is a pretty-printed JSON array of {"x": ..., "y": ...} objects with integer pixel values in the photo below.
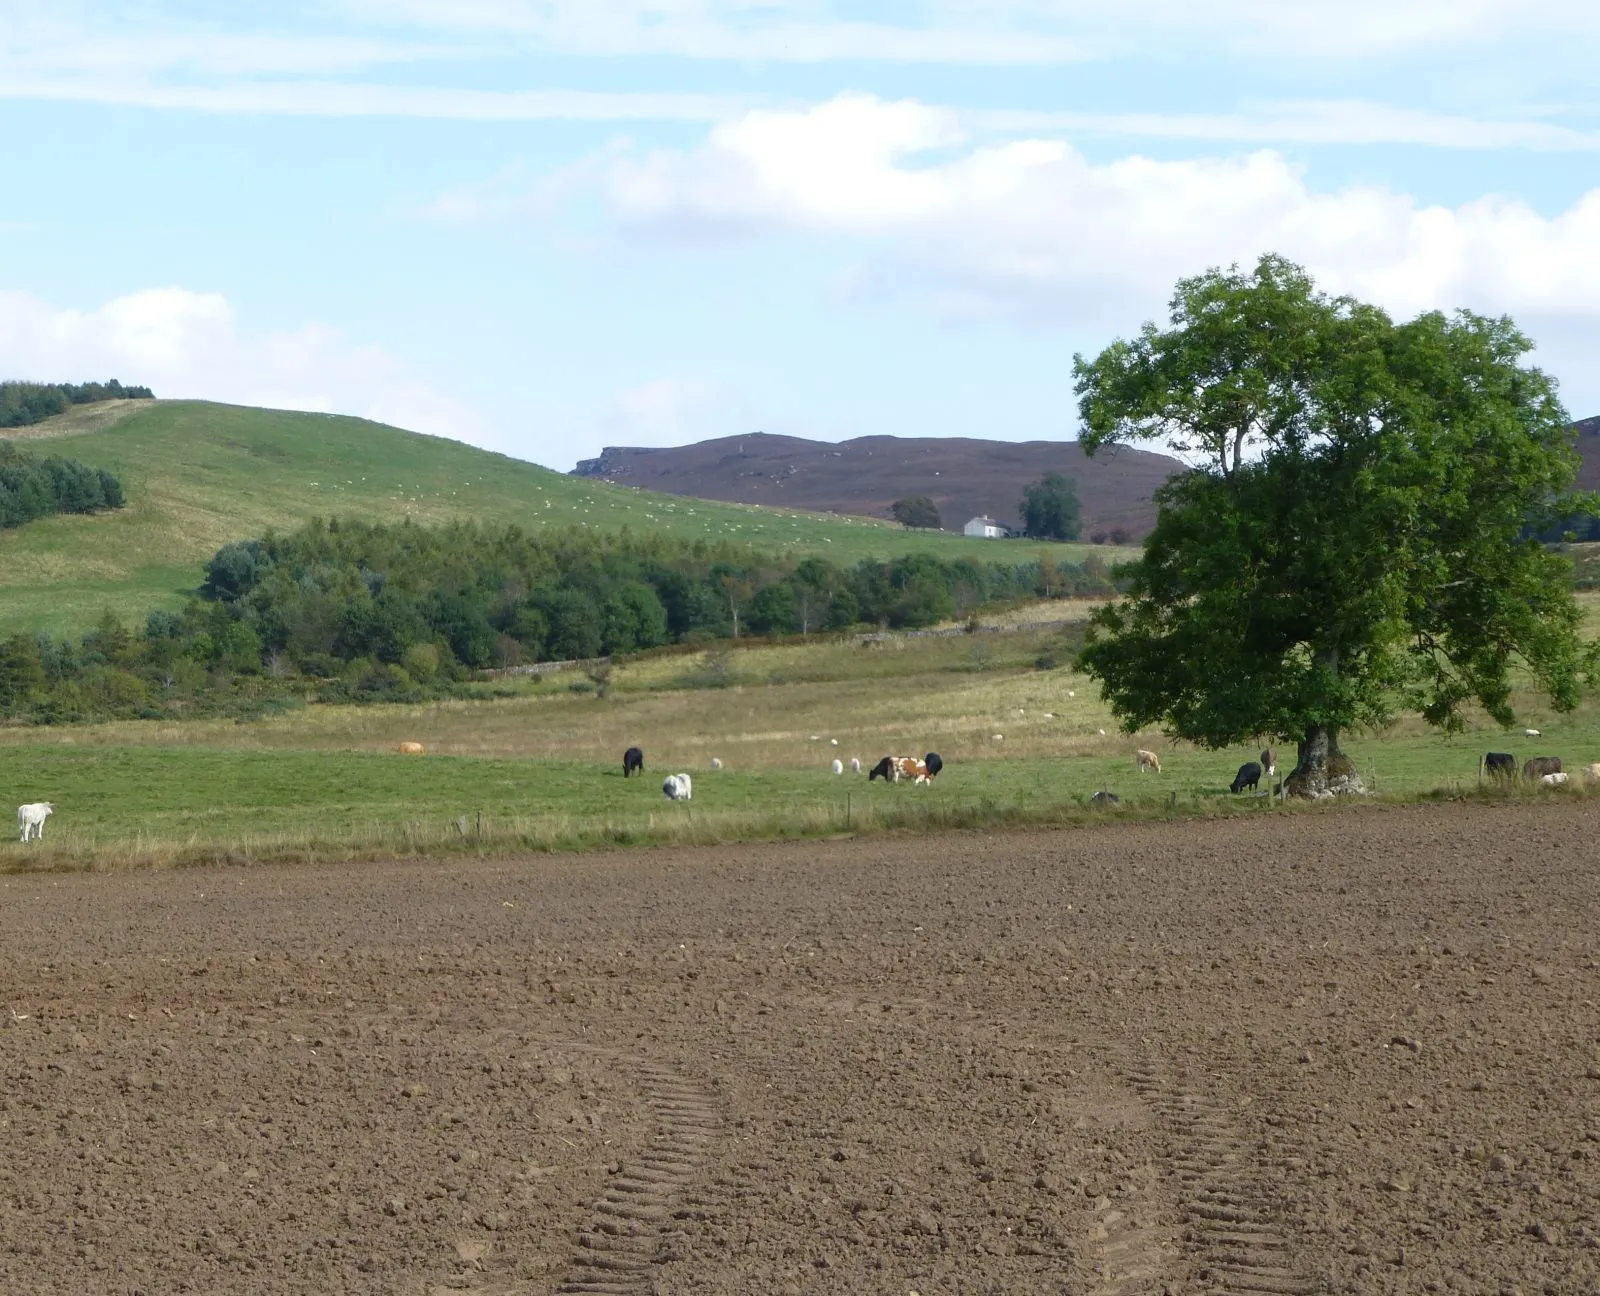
[{"x": 198, "y": 475}]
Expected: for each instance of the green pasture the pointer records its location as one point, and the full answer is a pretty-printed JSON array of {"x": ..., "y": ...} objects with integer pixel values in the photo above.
[
  {"x": 541, "y": 769},
  {"x": 198, "y": 475}
]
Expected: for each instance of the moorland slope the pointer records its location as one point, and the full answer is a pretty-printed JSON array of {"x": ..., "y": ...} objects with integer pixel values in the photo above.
[{"x": 965, "y": 477}]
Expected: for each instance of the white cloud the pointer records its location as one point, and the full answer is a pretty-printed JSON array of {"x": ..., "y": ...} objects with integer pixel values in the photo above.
[
  {"x": 667, "y": 412},
  {"x": 1325, "y": 121},
  {"x": 769, "y": 30},
  {"x": 188, "y": 344},
  {"x": 1030, "y": 226},
  {"x": 354, "y": 99},
  {"x": 1000, "y": 31}
]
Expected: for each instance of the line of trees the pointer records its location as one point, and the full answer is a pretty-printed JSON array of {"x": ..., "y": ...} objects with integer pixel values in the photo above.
[
  {"x": 31, "y": 487},
  {"x": 352, "y": 611},
  {"x": 22, "y": 403}
]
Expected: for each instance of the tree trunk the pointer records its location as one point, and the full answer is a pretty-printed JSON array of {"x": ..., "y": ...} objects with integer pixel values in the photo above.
[{"x": 1323, "y": 770}]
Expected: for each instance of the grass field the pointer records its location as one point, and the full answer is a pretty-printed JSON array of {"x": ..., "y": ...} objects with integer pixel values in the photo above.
[
  {"x": 199, "y": 475},
  {"x": 542, "y": 769}
]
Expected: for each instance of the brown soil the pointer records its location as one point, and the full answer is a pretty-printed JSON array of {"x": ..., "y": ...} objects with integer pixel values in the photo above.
[{"x": 1352, "y": 1051}]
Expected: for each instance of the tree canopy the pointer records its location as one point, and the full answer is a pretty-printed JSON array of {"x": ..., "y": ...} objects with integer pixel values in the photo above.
[
  {"x": 1050, "y": 508},
  {"x": 1358, "y": 536},
  {"x": 916, "y": 511},
  {"x": 32, "y": 488},
  {"x": 344, "y": 610},
  {"x": 22, "y": 403}
]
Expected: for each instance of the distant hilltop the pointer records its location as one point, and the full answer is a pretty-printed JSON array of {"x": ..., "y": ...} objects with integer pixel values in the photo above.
[
  {"x": 1588, "y": 431},
  {"x": 964, "y": 477}
]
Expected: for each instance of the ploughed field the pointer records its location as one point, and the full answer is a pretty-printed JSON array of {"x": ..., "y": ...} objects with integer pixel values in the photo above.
[{"x": 1352, "y": 1051}]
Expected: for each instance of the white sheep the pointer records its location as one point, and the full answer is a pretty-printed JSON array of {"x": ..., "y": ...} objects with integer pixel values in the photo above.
[
  {"x": 1553, "y": 780},
  {"x": 715, "y": 763},
  {"x": 855, "y": 764},
  {"x": 31, "y": 817},
  {"x": 677, "y": 788},
  {"x": 837, "y": 766}
]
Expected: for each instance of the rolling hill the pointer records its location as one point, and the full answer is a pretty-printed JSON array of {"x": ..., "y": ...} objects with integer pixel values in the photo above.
[
  {"x": 199, "y": 475},
  {"x": 964, "y": 477}
]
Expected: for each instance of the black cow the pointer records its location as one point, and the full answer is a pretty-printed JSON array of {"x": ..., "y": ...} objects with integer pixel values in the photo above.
[
  {"x": 883, "y": 769},
  {"x": 632, "y": 759},
  {"x": 1501, "y": 765},
  {"x": 1248, "y": 776},
  {"x": 1105, "y": 799},
  {"x": 1535, "y": 769},
  {"x": 934, "y": 763}
]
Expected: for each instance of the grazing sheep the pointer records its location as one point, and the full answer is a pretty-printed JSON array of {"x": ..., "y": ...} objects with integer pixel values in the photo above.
[
  {"x": 1532, "y": 733},
  {"x": 1269, "y": 761},
  {"x": 833, "y": 742},
  {"x": 1146, "y": 760},
  {"x": 1591, "y": 772},
  {"x": 632, "y": 759},
  {"x": 1102, "y": 733},
  {"x": 1557, "y": 779},
  {"x": 837, "y": 766},
  {"x": 855, "y": 764},
  {"x": 410, "y": 749},
  {"x": 999, "y": 738},
  {"x": 1538, "y": 766},
  {"x": 1105, "y": 799},
  {"x": 31, "y": 817},
  {"x": 933, "y": 762},
  {"x": 677, "y": 788},
  {"x": 1248, "y": 776},
  {"x": 715, "y": 763}
]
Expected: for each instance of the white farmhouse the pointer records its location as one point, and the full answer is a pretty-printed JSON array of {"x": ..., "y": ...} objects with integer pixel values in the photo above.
[{"x": 985, "y": 528}]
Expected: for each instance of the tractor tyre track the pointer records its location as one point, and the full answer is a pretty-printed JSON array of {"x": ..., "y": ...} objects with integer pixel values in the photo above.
[{"x": 630, "y": 1230}]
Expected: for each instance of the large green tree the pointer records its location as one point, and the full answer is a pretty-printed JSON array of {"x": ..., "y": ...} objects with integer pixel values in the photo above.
[
  {"x": 1050, "y": 508},
  {"x": 1356, "y": 538},
  {"x": 916, "y": 511}
]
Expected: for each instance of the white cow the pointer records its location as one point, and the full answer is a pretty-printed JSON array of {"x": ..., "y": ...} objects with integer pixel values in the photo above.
[
  {"x": 31, "y": 817},
  {"x": 677, "y": 788}
]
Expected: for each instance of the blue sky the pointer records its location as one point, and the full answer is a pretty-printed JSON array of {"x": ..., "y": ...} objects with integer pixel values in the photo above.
[{"x": 547, "y": 226}]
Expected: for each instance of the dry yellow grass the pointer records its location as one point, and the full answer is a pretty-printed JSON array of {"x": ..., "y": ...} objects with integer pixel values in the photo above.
[{"x": 95, "y": 417}]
